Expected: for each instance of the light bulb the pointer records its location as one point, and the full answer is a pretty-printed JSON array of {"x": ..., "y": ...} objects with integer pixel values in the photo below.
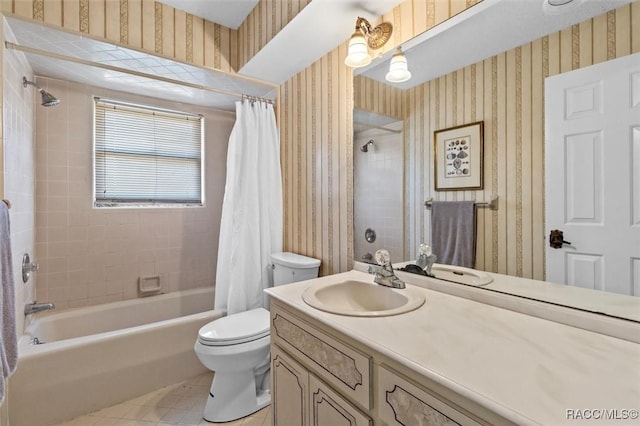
[
  {"x": 398, "y": 68},
  {"x": 358, "y": 55}
]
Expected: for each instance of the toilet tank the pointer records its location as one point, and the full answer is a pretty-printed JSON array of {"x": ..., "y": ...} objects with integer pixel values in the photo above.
[{"x": 292, "y": 267}]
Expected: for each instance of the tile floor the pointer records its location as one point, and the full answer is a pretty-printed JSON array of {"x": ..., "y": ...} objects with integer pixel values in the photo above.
[{"x": 179, "y": 404}]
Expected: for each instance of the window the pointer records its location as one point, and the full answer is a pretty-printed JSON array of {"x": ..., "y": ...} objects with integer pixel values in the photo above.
[{"x": 146, "y": 156}]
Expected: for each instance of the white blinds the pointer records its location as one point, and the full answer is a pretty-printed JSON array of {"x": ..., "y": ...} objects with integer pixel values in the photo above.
[{"x": 145, "y": 155}]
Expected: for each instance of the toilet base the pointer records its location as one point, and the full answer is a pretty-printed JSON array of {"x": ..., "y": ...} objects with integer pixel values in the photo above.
[{"x": 233, "y": 396}]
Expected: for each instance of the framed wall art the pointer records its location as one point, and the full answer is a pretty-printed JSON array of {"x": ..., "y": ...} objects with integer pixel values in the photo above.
[{"x": 458, "y": 157}]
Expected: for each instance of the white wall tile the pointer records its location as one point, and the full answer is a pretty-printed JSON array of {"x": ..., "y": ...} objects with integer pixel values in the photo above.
[
  {"x": 107, "y": 250},
  {"x": 19, "y": 179}
]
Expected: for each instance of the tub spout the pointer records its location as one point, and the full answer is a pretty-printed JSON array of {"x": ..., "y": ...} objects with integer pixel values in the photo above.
[{"x": 33, "y": 308}]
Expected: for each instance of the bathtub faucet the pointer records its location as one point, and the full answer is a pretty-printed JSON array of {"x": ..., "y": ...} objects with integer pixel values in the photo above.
[{"x": 33, "y": 308}]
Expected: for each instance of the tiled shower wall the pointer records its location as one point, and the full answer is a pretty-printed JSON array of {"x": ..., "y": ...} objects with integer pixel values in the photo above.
[
  {"x": 377, "y": 200},
  {"x": 91, "y": 256},
  {"x": 19, "y": 153}
]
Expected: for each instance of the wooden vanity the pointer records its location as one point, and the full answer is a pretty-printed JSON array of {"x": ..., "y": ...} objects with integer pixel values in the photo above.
[{"x": 451, "y": 361}]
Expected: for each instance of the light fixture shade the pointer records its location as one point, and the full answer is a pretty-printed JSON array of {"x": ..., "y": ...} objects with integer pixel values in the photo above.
[
  {"x": 358, "y": 55},
  {"x": 398, "y": 68}
]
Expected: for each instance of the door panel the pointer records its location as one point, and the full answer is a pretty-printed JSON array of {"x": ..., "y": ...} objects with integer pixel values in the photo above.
[
  {"x": 583, "y": 165},
  {"x": 592, "y": 175},
  {"x": 585, "y": 270}
]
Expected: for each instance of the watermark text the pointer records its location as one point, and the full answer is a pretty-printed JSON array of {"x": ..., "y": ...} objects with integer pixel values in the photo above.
[{"x": 602, "y": 414}]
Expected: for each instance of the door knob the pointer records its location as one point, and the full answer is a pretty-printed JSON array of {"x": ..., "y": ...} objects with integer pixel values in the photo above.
[{"x": 556, "y": 239}]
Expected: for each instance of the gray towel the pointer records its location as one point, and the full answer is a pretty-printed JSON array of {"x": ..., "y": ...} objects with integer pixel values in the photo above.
[
  {"x": 453, "y": 232},
  {"x": 8, "y": 338}
]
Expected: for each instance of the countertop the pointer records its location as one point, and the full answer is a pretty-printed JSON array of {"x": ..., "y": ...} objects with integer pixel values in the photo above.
[{"x": 526, "y": 369}]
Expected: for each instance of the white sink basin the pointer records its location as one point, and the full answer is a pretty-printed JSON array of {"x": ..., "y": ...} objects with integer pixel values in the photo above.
[
  {"x": 362, "y": 299},
  {"x": 458, "y": 274}
]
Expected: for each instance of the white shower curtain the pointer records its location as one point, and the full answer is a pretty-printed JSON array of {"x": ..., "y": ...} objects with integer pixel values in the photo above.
[{"x": 251, "y": 226}]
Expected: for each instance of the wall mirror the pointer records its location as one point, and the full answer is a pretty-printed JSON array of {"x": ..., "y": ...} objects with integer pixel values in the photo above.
[{"x": 501, "y": 81}]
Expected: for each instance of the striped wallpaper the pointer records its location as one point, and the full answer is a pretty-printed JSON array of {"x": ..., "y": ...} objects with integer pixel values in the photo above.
[
  {"x": 505, "y": 91},
  {"x": 317, "y": 162},
  {"x": 263, "y": 23},
  {"x": 372, "y": 95},
  {"x": 413, "y": 17}
]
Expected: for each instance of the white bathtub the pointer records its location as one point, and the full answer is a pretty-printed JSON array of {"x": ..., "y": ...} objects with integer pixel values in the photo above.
[{"x": 102, "y": 355}]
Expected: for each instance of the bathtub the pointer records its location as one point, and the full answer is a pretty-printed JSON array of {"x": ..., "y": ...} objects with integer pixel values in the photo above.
[{"x": 98, "y": 356}]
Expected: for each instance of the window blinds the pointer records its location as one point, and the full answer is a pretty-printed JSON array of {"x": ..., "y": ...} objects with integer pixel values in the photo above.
[{"x": 146, "y": 155}]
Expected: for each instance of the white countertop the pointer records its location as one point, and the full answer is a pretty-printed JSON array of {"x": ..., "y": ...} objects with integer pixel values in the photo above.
[{"x": 527, "y": 369}]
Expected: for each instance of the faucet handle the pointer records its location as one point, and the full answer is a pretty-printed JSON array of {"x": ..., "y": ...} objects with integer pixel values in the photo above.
[{"x": 382, "y": 257}]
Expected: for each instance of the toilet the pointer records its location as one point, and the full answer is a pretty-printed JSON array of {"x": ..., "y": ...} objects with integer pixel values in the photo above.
[{"x": 236, "y": 348}]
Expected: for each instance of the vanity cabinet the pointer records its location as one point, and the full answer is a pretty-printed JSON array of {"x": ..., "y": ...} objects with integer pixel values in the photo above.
[
  {"x": 300, "y": 398},
  {"x": 322, "y": 378}
]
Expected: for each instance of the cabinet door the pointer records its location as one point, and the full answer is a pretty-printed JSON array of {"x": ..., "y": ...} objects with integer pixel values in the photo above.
[
  {"x": 330, "y": 409},
  {"x": 289, "y": 390}
]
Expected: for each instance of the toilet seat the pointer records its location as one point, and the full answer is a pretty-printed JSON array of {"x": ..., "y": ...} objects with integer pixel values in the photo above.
[{"x": 235, "y": 329}]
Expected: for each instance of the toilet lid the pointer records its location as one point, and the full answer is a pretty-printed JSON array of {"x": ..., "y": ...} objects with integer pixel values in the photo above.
[{"x": 237, "y": 328}]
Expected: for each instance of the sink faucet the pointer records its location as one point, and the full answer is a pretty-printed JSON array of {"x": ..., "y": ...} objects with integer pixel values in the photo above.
[
  {"x": 384, "y": 271},
  {"x": 33, "y": 308},
  {"x": 426, "y": 259}
]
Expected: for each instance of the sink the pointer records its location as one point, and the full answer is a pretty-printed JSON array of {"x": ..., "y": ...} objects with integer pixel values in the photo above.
[
  {"x": 461, "y": 275},
  {"x": 362, "y": 299}
]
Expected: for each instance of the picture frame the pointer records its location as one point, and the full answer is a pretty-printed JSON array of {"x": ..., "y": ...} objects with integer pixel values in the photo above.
[{"x": 458, "y": 157}]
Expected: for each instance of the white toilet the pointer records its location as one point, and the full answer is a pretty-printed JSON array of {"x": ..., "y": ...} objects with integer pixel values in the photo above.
[{"x": 236, "y": 347}]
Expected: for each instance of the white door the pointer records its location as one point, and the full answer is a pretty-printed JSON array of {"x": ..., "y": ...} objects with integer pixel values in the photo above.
[{"x": 592, "y": 167}]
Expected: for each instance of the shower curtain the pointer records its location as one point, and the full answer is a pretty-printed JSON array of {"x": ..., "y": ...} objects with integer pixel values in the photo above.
[{"x": 251, "y": 226}]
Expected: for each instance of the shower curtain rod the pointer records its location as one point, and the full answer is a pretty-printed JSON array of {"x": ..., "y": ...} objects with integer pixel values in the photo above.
[
  {"x": 372, "y": 126},
  {"x": 40, "y": 52}
]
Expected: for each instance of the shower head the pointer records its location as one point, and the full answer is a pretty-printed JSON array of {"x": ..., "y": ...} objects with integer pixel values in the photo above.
[
  {"x": 47, "y": 98},
  {"x": 365, "y": 147}
]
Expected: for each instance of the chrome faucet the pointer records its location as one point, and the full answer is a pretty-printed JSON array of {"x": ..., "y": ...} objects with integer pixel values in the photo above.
[
  {"x": 384, "y": 271},
  {"x": 34, "y": 308},
  {"x": 426, "y": 259}
]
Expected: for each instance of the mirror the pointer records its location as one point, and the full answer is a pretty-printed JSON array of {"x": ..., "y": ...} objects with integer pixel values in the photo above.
[{"x": 506, "y": 91}]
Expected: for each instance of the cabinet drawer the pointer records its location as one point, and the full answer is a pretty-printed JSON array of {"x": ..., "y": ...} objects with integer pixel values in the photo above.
[
  {"x": 346, "y": 369},
  {"x": 402, "y": 403}
]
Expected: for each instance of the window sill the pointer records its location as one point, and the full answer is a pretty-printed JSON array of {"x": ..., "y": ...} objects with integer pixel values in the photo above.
[{"x": 105, "y": 205}]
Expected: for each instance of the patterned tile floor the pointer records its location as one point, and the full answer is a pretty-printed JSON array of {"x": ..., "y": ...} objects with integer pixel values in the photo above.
[{"x": 179, "y": 404}]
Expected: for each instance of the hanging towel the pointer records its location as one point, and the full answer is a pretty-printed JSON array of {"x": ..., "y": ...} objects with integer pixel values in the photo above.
[
  {"x": 453, "y": 232},
  {"x": 8, "y": 341}
]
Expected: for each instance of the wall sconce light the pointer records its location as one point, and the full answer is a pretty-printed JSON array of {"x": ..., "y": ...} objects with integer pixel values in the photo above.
[
  {"x": 398, "y": 68},
  {"x": 363, "y": 36}
]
